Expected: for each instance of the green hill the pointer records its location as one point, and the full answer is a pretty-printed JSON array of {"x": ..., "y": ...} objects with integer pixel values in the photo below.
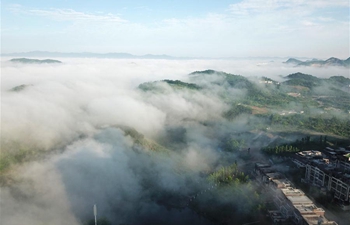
[
  {"x": 206, "y": 72},
  {"x": 235, "y": 81},
  {"x": 140, "y": 140},
  {"x": 175, "y": 84},
  {"x": 340, "y": 80},
  {"x": 301, "y": 79}
]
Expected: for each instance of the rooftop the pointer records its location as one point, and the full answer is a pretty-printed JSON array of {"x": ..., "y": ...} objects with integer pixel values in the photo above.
[
  {"x": 299, "y": 200},
  {"x": 292, "y": 192}
]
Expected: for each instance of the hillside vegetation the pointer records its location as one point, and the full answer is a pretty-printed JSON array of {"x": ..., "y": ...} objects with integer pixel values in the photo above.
[{"x": 301, "y": 101}]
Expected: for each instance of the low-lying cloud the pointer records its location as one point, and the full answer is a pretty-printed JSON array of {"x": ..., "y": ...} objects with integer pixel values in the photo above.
[{"x": 76, "y": 111}]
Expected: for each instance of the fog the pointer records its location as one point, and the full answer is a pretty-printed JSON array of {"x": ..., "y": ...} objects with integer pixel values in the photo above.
[{"x": 77, "y": 112}]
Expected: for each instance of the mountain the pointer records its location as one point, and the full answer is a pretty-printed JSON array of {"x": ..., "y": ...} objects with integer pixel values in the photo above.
[
  {"x": 301, "y": 79},
  {"x": 310, "y": 81},
  {"x": 89, "y": 55},
  {"x": 320, "y": 63},
  {"x": 206, "y": 72},
  {"x": 340, "y": 80},
  {"x": 347, "y": 61},
  {"x": 293, "y": 61},
  {"x": 34, "y": 61},
  {"x": 337, "y": 62},
  {"x": 302, "y": 101},
  {"x": 175, "y": 84},
  {"x": 223, "y": 78}
]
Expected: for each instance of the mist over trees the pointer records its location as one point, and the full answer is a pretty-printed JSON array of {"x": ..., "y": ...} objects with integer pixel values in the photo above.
[{"x": 154, "y": 141}]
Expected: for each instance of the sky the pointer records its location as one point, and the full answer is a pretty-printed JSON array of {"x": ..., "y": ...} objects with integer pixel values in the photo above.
[{"x": 194, "y": 28}]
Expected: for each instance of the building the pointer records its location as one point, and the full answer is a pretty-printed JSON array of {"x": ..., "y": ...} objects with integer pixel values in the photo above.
[
  {"x": 292, "y": 204},
  {"x": 336, "y": 183},
  {"x": 329, "y": 170}
]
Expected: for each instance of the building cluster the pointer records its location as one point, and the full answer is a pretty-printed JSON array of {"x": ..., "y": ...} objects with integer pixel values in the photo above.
[
  {"x": 329, "y": 170},
  {"x": 266, "y": 82},
  {"x": 291, "y": 205}
]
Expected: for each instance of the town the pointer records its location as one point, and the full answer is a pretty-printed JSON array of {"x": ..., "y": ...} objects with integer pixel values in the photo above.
[{"x": 328, "y": 170}]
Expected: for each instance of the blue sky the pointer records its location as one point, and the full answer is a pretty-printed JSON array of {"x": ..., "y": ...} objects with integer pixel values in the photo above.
[{"x": 206, "y": 28}]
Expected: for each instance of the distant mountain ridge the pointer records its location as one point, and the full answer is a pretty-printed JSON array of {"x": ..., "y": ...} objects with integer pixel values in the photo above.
[
  {"x": 34, "y": 61},
  {"x": 320, "y": 63},
  {"x": 89, "y": 55}
]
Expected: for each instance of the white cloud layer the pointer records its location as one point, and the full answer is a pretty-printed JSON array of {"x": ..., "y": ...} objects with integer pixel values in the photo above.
[
  {"x": 66, "y": 105},
  {"x": 63, "y": 101}
]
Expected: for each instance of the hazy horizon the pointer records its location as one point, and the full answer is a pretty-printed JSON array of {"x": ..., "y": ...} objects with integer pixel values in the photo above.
[
  {"x": 196, "y": 29},
  {"x": 125, "y": 55}
]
